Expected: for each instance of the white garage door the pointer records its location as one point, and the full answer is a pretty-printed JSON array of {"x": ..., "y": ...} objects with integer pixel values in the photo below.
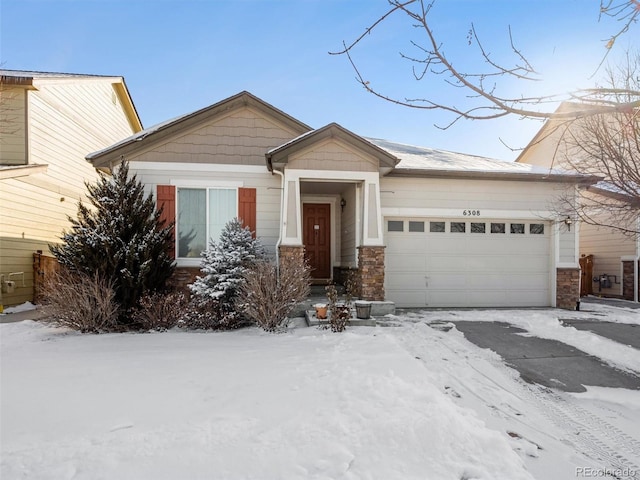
[{"x": 467, "y": 263}]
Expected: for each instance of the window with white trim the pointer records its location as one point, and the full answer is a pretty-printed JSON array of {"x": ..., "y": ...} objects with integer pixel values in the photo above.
[
  {"x": 202, "y": 214},
  {"x": 497, "y": 228},
  {"x": 517, "y": 228},
  {"x": 395, "y": 226},
  {"x": 458, "y": 227},
  {"x": 478, "y": 227},
  {"x": 536, "y": 228},
  {"x": 416, "y": 226},
  {"x": 436, "y": 227}
]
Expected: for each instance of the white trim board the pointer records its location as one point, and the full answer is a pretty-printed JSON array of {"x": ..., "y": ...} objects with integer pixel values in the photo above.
[{"x": 197, "y": 167}]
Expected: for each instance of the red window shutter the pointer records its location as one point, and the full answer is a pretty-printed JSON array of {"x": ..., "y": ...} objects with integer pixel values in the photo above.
[
  {"x": 166, "y": 195},
  {"x": 247, "y": 208}
]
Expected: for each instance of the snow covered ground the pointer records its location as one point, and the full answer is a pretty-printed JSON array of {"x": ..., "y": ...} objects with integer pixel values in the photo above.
[{"x": 403, "y": 402}]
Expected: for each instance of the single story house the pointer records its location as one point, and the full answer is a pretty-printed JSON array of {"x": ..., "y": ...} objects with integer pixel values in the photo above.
[{"x": 421, "y": 227}]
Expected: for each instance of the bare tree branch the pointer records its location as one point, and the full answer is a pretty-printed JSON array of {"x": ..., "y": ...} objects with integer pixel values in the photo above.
[
  {"x": 430, "y": 60},
  {"x": 607, "y": 145}
]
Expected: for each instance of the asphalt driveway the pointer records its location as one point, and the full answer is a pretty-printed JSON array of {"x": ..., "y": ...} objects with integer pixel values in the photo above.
[
  {"x": 552, "y": 363},
  {"x": 624, "y": 333}
]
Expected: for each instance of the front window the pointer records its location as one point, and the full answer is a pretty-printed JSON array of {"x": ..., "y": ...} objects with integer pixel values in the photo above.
[{"x": 202, "y": 214}]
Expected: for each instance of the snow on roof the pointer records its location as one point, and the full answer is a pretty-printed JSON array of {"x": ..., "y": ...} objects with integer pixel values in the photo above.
[
  {"x": 607, "y": 187},
  {"x": 422, "y": 158},
  {"x": 35, "y": 74}
]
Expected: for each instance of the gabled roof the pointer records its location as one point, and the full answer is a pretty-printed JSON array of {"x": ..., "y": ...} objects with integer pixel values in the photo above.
[
  {"x": 26, "y": 78},
  {"x": 16, "y": 75},
  {"x": 423, "y": 161},
  {"x": 103, "y": 158},
  {"x": 278, "y": 156},
  {"x": 550, "y": 126}
]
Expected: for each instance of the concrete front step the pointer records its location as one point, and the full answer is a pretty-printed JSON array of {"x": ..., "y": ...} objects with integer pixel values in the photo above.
[
  {"x": 312, "y": 320},
  {"x": 378, "y": 310}
]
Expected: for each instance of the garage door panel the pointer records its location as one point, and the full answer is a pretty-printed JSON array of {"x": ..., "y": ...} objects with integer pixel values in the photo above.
[
  {"x": 468, "y": 269},
  {"x": 536, "y": 246},
  {"x": 405, "y": 263},
  {"x": 529, "y": 282},
  {"x": 489, "y": 263},
  {"x": 445, "y": 281},
  {"x": 534, "y": 264},
  {"x": 446, "y": 244},
  {"x": 409, "y": 298},
  {"x": 408, "y": 244},
  {"x": 445, "y": 263},
  {"x": 408, "y": 280},
  {"x": 484, "y": 281}
]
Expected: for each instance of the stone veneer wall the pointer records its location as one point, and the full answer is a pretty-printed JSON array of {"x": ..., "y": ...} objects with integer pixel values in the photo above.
[
  {"x": 291, "y": 253},
  {"x": 628, "y": 280},
  {"x": 371, "y": 272},
  {"x": 567, "y": 288}
]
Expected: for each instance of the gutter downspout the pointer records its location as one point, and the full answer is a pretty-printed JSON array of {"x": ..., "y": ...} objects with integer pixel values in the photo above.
[
  {"x": 281, "y": 218},
  {"x": 636, "y": 263},
  {"x": 637, "y": 279}
]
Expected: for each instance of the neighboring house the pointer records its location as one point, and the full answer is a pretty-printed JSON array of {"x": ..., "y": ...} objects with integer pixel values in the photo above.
[
  {"x": 421, "y": 227},
  {"x": 610, "y": 259},
  {"x": 48, "y": 123}
]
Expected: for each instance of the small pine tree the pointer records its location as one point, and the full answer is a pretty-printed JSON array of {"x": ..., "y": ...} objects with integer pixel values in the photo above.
[
  {"x": 224, "y": 265},
  {"x": 121, "y": 238}
]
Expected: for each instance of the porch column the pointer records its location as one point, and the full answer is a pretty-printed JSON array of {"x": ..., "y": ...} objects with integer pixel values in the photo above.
[
  {"x": 372, "y": 214},
  {"x": 371, "y": 249},
  {"x": 630, "y": 287},
  {"x": 567, "y": 288},
  {"x": 291, "y": 226},
  {"x": 371, "y": 272}
]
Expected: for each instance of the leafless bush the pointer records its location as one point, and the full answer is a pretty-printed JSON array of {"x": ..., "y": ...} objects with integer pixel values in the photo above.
[
  {"x": 270, "y": 294},
  {"x": 81, "y": 302},
  {"x": 339, "y": 311},
  {"x": 209, "y": 314},
  {"x": 160, "y": 311}
]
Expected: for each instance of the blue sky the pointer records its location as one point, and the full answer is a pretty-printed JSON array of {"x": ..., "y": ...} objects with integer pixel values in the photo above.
[{"x": 181, "y": 55}]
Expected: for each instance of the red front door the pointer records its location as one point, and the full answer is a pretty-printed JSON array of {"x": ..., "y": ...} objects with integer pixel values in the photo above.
[{"x": 317, "y": 238}]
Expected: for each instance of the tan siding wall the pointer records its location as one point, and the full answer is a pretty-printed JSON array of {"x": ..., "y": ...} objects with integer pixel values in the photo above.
[
  {"x": 332, "y": 155},
  {"x": 547, "y": 151},
  {"x": 607, "y": 248},
  {"x": 348, "y": 228},
  {"x": 13, "y": 149},
  {"x": 242, "y": 138},
  {"x": 567, "y": 245},
  {"x": 17, "y": 256},
  {"x": 66, "y": 122},
  {"x": 468, "y": 194},
  {"x": 32, "y": 211},
  {"x": 267, "y": 194}
]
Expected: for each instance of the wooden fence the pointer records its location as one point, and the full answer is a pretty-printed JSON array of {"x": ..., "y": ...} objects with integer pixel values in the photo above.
[{"x": 43, "y": 265}]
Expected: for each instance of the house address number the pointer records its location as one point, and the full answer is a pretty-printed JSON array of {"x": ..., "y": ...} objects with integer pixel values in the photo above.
[{"x": 471, "y": 213}]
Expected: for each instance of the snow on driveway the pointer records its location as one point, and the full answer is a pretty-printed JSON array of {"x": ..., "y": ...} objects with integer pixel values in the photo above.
[{"x": 404, "y": 402}]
